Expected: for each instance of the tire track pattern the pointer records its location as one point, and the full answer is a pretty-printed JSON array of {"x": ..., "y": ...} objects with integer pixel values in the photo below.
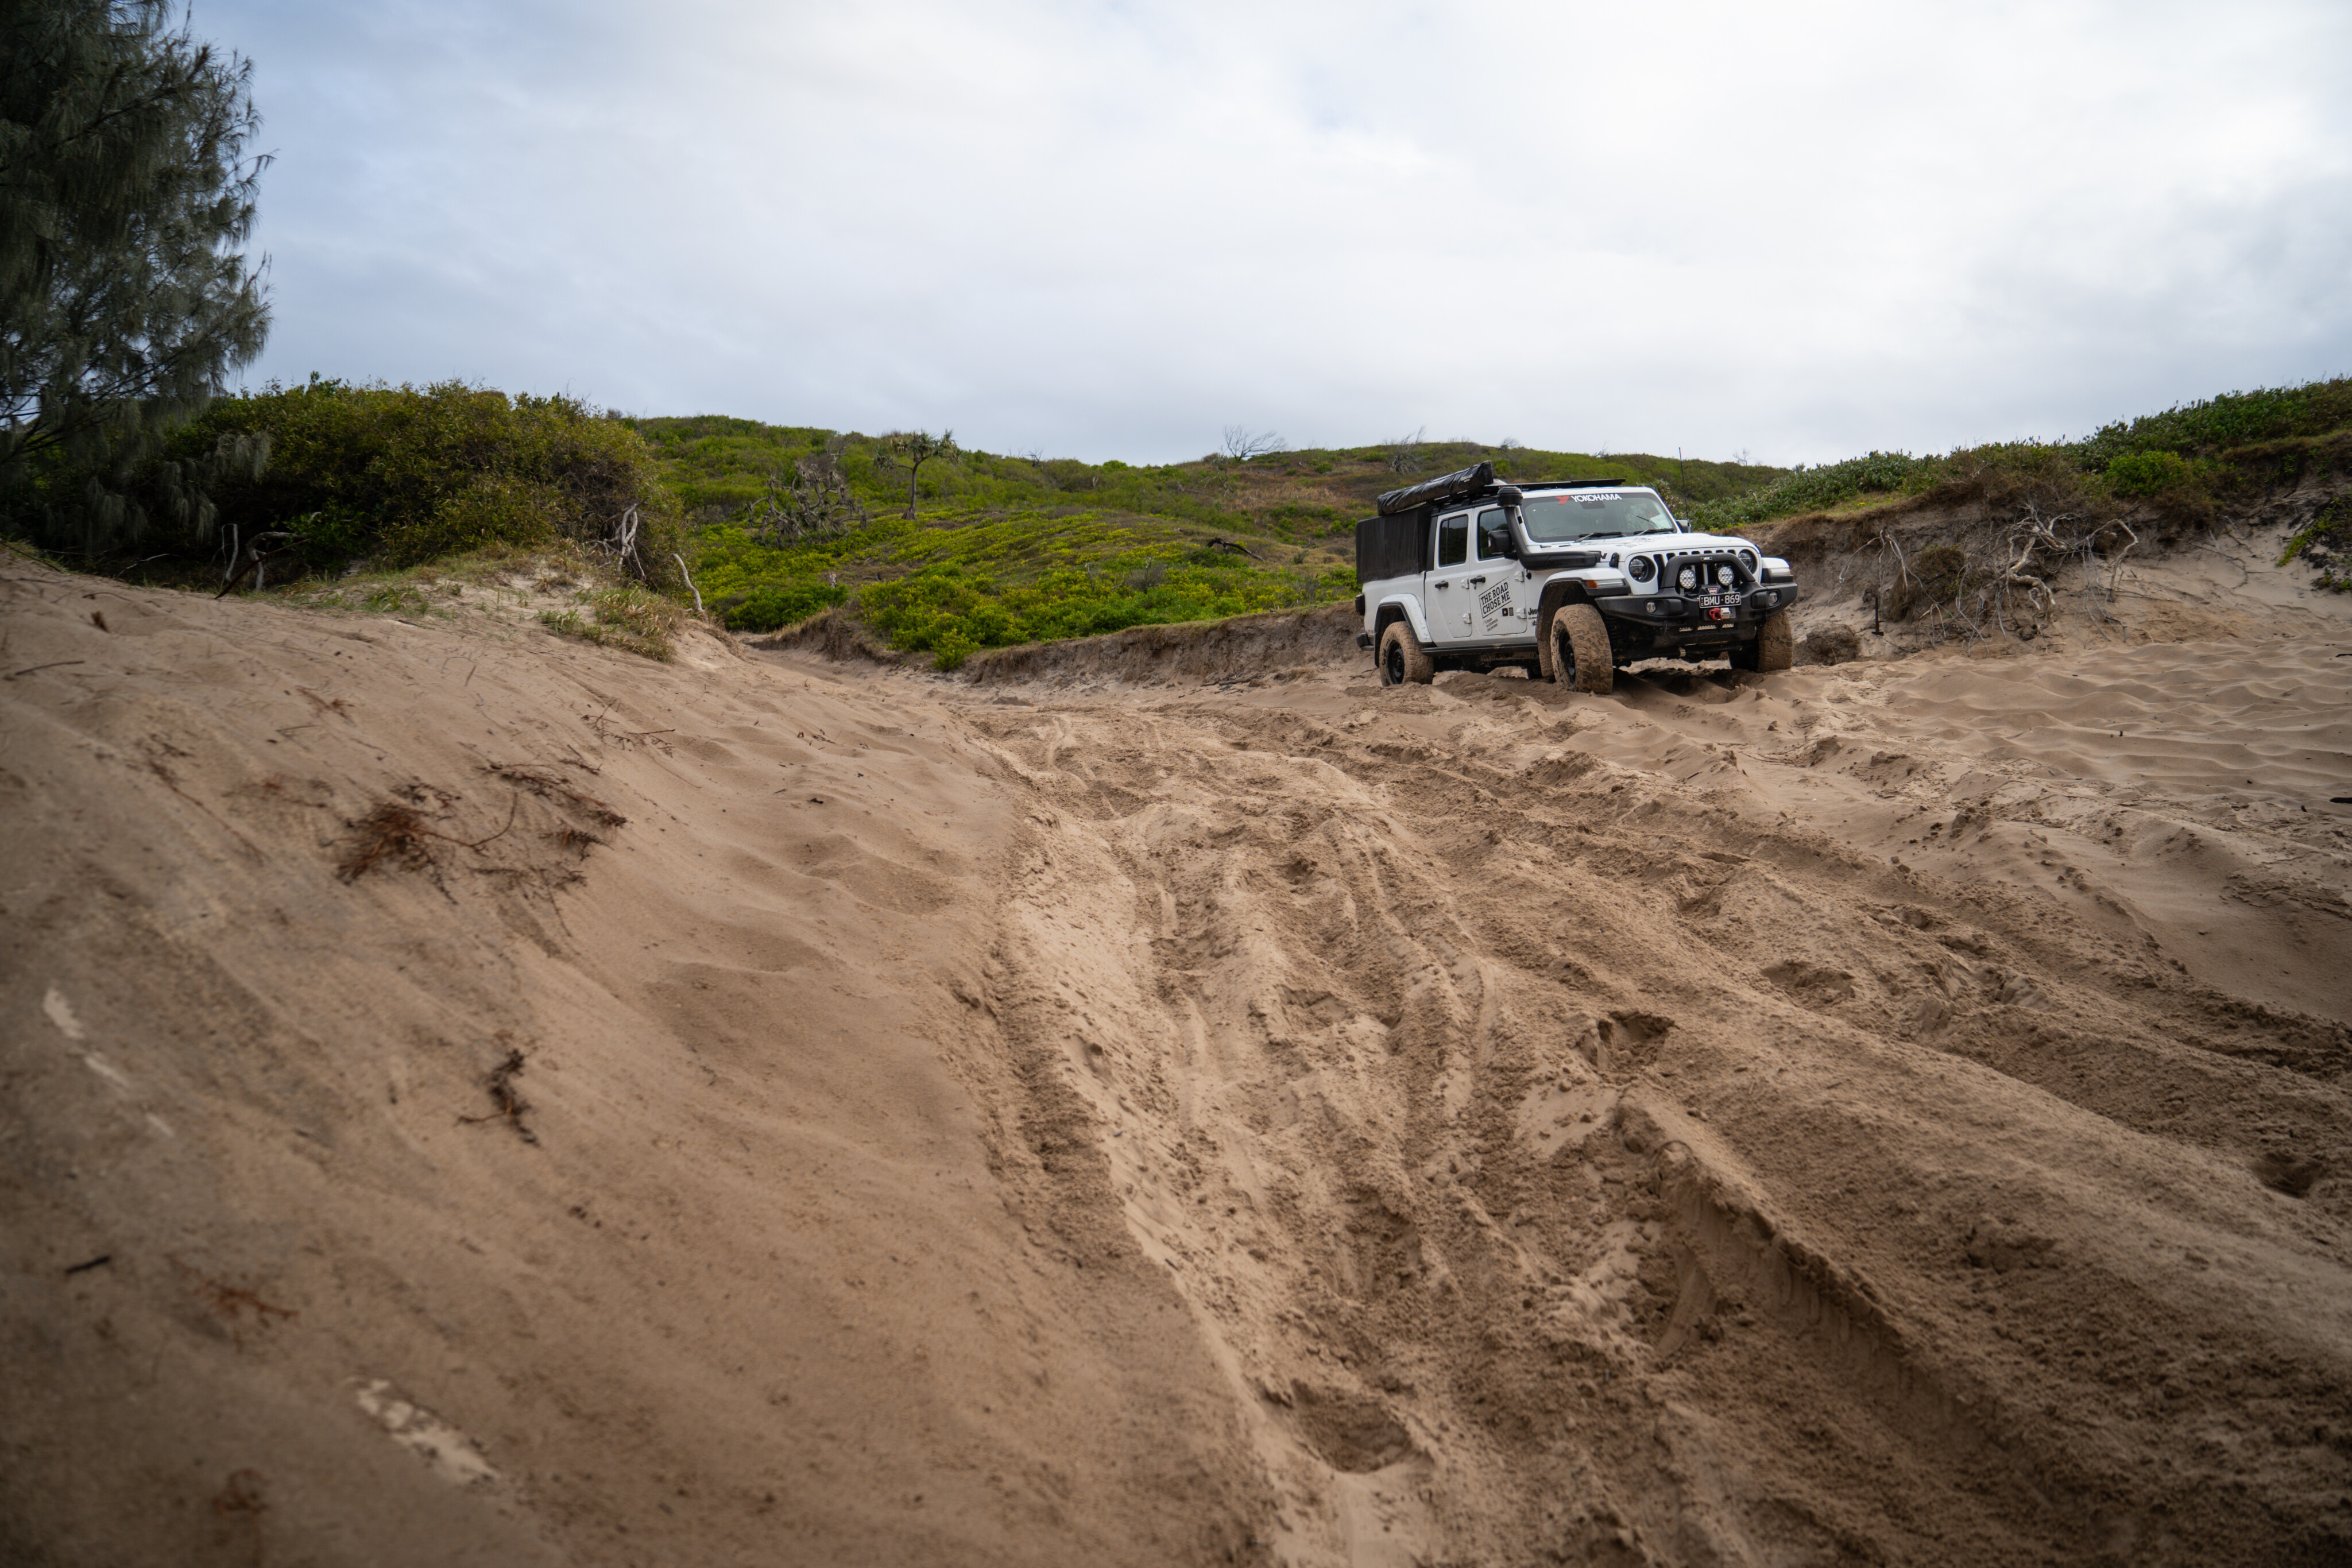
[{"x": 1561, "y": 1165}]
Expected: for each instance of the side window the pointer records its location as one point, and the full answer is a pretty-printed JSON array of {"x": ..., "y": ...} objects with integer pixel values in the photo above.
[
  {"x": 1454, "y": 540},
  {"x": 1494, "y": 535}
]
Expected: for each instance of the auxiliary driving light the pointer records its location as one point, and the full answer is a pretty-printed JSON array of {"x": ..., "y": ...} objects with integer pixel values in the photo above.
[
  {"x": 1768, "y": 599},
  {"x": 1723, "y": 574},
  {"x": 1688, "y": 578}
]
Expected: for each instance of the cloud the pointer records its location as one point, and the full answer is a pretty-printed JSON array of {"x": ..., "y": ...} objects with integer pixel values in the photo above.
[{"x": 1110, "y": 229}]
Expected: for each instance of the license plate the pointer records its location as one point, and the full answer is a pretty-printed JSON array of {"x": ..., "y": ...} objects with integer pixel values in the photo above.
[{"x": 1709, "y": 601}]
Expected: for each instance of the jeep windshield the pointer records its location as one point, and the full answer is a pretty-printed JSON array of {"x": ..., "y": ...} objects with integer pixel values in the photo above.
[{"x": 1563, "y": 516}]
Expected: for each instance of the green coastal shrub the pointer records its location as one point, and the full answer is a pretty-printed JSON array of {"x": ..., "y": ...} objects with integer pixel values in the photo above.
[
  {"x": 401, "y": 475},
  {"x": 1819, "y": 488},
  {"x": 494, "y": 509},
  {"x": 2150, "y": 473},
  {"x": 949, "y": 614},
  {"x": 2326, "y": 542},
  {"x": 2232, "y": 418},
  {"x": 776, "y": 605}
]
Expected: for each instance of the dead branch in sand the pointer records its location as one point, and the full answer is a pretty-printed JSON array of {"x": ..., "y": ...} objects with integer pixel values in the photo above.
[
  {"x": 547, "y": 785},
  {"x": 156, "y": 766},
  {"x": 623, "y": 545},
  {"x": 510, "y": 1105},
  {"x": 2115, "y": 570},
  {"x": 253, "y": 561},
  {"x": 398, "y": 833},
  {"x": 625, "y": 738},
  {"x": 2030, "y": 538}
]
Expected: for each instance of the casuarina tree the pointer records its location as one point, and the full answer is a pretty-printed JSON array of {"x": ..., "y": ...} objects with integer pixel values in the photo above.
[{"x": 126, "y": 197}]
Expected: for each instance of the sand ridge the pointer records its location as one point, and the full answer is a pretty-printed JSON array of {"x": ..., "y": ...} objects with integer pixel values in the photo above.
[{"x": 1869, "y": 1113}]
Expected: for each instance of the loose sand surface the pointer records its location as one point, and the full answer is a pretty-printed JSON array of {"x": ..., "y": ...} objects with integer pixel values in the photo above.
[{"x": 474, "y": 1098}]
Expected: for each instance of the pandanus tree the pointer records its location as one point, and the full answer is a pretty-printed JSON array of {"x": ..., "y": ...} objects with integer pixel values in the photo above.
[{"x": 915, "y": 448}]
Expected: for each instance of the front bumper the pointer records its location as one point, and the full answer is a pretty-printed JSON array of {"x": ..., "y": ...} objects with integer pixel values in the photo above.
[{"x": 1683, "y": 621}]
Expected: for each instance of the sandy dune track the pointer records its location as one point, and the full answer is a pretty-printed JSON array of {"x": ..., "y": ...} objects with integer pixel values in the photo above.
[
  {"x": 756, "y": 1111},
  {"x": 1492, "y": 1103}
]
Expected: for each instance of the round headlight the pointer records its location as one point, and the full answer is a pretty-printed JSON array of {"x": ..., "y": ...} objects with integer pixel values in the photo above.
[
  {"x": 1643, "y": 568},
  {"x": 1688, "y": 578},
  {"x": 1723, "y": 574},
  {"x": 1747, "y": 559}
]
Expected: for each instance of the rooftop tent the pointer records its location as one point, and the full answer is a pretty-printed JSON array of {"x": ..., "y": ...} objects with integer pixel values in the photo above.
[
  {"x": 1395, "y": 545},
  {"x": 1444, "y": 487}
]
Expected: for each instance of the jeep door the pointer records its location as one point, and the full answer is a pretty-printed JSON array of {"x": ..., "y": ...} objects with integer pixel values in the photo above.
[
  {"x": 1505, "y": 603},
  {"x": 1447, "y": 598}
]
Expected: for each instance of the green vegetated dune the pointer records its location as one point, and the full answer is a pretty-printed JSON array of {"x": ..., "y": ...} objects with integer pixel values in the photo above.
[
  {"x": 1004, "y": 549},
  {"x": 365, "y": 491},
  {"x": 2183, "y": 466}
]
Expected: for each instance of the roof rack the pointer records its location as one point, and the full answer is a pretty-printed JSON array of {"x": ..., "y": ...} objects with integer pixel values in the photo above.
[{"x": 1465, "y": 483}]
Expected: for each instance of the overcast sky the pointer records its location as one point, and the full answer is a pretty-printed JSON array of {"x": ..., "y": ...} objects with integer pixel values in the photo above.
[{"x": 1108, "y": 230}]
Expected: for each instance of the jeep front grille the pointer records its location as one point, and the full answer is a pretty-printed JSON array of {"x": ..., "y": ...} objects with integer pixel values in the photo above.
[{"x": 1670, "y": 564}]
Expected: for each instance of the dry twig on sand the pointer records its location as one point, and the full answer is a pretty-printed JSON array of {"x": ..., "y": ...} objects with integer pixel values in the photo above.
[
  {"x": 503, "y": 1094},
  {"x": 229, "y": 1302},
  {"x": 625, "y": 738},
  {"x": 156, "y": 765},
  {"x": 398, "y": 833},
  {"x": 52, "y": 664},
  {"x": 547, "y": 787},
  {"x": 391, "y": 833}
]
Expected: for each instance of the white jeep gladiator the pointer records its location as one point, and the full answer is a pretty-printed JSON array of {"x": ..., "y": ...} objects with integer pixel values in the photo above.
[{"x": 1571, "y": 579}]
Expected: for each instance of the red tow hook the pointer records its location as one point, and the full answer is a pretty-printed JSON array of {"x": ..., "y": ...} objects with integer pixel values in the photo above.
[{"x": 1721, "y": 615}]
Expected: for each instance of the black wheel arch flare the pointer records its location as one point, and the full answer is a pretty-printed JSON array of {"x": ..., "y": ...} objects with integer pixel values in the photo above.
[
  {"x": 1388, "y": 613},
  {"x": 1556, "y": 591}
]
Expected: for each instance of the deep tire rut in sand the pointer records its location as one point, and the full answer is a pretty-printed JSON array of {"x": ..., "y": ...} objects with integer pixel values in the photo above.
[{"x": 1538, "y": 1203}]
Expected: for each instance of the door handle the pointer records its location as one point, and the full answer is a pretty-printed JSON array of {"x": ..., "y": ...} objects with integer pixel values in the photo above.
[
  {"x": 1446, "y": 584},
  {"x": 1476, "y": 580}
]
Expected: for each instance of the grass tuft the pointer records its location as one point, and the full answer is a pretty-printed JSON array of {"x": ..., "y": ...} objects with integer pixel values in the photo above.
[{"x": 629, "y": 617}]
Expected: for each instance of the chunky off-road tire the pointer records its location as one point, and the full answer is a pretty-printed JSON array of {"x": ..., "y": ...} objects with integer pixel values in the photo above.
[
  {"x": 1775, "y": 647},
  {"x": 1580, "y": 650},
  {"x": 1403, "y": 660}
]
